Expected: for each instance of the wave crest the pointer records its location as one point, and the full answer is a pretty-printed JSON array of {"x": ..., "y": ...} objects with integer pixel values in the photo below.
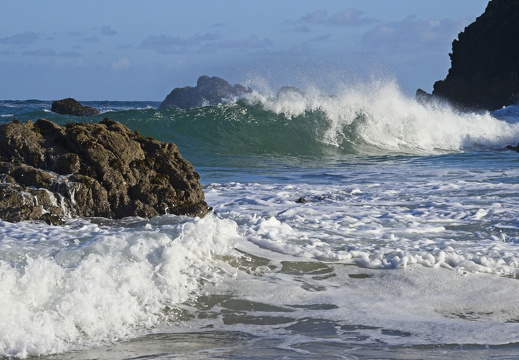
[
  {"x": 372, "y": 119},
  {"x": 379, "y": 117}
]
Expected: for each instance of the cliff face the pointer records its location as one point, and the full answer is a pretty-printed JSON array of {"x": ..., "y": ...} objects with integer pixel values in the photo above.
[{"x": 484, "y": 73}]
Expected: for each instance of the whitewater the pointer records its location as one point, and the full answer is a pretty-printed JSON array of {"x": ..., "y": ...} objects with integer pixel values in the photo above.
[{"x": 359, "y": 225}]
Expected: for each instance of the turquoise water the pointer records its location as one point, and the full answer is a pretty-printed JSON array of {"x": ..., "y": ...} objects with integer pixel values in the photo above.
[{"x": 405, "y": 246}]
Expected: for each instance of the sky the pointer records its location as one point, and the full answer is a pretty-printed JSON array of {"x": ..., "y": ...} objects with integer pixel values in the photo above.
[{"x": 141, "y": 50}]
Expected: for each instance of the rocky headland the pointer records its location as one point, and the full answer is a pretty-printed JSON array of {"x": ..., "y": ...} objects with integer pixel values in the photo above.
[
  {"x": 51, "y": 172},
  {"x": 71, "y": 106},
  {"x": 208, "y": 91},
  {"x": 484, "y": 73}
]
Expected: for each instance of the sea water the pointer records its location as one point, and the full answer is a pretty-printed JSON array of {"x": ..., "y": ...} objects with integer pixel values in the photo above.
[{"x": 358, "y": 225}]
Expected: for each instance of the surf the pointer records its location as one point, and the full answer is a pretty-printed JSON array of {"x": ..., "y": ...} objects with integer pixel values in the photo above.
[{"x": 369, "y": 119}]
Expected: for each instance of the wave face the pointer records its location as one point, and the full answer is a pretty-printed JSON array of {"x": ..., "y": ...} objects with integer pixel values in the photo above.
[
  {"x": 370, "y": 119},
  {"x": 373, "y": 119}
]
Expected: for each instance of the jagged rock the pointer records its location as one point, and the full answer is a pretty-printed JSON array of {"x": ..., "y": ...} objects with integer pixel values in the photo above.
[
  {"x": 70, "y": 106},
  {"x": 484, "y": 71},
  {"x": 208, "y": 91},
  {"x": 50, "y": 172}
]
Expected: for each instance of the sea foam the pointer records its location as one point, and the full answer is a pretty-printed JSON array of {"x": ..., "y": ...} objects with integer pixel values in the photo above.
[
  {"x": 75, "y": 291},
  {"x": 379, "y": 114}
]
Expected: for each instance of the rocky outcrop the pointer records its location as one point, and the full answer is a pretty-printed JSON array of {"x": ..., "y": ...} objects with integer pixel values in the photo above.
[
  {"x": 290, "y": 91},
  {"x": 423, "y": 96},
  {"x": 70, "y": 106},
  {"x": 484, "y": 71},
  {"x": 208, "y": 91},
  {"x": 52, "y": 172}
]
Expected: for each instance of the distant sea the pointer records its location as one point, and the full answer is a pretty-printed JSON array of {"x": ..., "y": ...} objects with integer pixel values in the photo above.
[{"x": 363, "y": 225}]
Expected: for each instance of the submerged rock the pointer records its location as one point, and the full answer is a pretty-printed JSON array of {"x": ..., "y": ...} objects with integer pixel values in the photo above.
[
  {"x": 70, "y": 106},
  {"x": 484, "y": 71},
  {"x": 208, "y": 91},
  {"x": 50, "y": 172}
]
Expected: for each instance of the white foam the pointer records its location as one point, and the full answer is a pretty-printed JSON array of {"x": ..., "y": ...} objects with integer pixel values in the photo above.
[
  {"x": 107, "y": 284},
  {"x": 380, "y": 115},
  {"x": 431, "y": 218},
  {"x": 430, "y": 306}
]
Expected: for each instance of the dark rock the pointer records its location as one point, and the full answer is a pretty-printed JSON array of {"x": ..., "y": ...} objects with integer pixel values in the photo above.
[
  {"x": 208, "y": 91},
  {"x": 423, "y": 96},
  {"x": 290, "y": 91},
  {"x": 484, "y": 73},
  {"x": 511, "y": 147},
  {"x": 49, "y": 172},
  {"x": 301, "y": 200},
  {"x": 70, "y": 106}
]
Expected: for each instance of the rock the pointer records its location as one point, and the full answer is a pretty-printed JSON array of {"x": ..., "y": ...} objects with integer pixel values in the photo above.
[
  {"x": 208, "y": 91},
  {"x": 301, "y": 200},
  {"x": 290, "y": 92},
  {"x": 484, "y": 73},
  {"x": 70, "y": 106},
  {"x": 423, "y": 97},
  {"x": 511, "y": 147},
  {"x": 50, "y": 172}
]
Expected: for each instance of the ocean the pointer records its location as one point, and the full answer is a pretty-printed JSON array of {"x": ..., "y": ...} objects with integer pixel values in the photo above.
[{"x": 362, "y": 225}]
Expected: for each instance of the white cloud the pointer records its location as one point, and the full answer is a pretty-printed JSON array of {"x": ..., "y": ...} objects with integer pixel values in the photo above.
[
  {"x": 108, "y": 31},
  {"x": 40, "y": 52},
  {"x": 316, "y": 17},
  {"x": 249, "y": 42},
  {"x": 20, "y": 38},
  {"x": 348, "y": 17},
  {"x": 302, "y": 28},
  {"x": 411, "y": 34},
  {"x": 120, "y": 64},
  {"x": 200, "y": 43},
  {"x": 92, "y": 39},
  {"x": 167, "y": 44}
]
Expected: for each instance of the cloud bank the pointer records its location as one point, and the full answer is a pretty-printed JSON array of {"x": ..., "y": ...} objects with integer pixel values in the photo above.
[
  {"x": 20, "y": 38},
  {"x": 411, "y": 34},
  {"x": 200, "y": 43},
  {"x": 348, "y": 17}
]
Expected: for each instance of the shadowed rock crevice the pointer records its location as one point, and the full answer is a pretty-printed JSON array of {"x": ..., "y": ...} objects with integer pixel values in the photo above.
[{"x": 51, "y": 172}]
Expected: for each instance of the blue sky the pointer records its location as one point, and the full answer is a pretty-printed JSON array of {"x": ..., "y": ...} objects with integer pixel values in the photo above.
[{"x": 141, "y": 50}]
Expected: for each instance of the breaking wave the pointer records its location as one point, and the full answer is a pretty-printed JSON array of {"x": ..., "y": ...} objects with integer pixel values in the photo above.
[{"x": 371, "y": 119}]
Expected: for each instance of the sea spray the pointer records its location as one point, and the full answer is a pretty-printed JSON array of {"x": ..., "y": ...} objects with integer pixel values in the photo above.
[
  {"x": 375, "y": 118},
  {"x": 107, "y": 287},
  {"x": 380, "y": 116}
]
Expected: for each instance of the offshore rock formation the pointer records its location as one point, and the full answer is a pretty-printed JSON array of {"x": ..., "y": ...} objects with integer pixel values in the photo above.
[
  {"x": 70, "y": 106},
  {"x": 208, "y": 91},
  {"x": 484, "y": 73},
  {"x": 51, "y": 172},
  {"x": 290, "y": 91}
]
